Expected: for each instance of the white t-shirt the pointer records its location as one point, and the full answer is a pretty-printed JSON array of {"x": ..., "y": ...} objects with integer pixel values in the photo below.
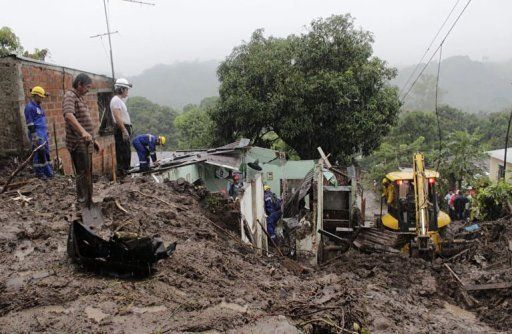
[{"x": 118, "y": 103}]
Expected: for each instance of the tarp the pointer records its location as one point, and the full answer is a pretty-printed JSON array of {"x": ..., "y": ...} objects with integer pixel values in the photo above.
[{"x": 123, "y": 255}]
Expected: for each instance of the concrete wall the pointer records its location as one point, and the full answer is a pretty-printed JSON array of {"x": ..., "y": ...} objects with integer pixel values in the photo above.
[
  {"x": 11, "y": 92},
  {"x": 494, "y": 169},
  {"x": 17, "y": 77}
]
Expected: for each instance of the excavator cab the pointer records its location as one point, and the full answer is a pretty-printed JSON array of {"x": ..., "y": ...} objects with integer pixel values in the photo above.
[
  {"x": 413, "y": 207},
  {"x": 401, "y": 215}
]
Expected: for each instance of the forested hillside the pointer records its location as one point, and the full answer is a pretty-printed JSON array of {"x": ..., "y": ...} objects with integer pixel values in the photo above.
[
  {"x": 178, "y": 84},
  {"x": 466, "y": 84}
]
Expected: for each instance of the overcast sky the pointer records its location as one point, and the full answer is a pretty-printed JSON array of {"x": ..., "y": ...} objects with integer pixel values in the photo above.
[{"x": 187, "y": 30}]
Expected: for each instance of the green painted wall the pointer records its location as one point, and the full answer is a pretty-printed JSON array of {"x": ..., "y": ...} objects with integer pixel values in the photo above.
[{"x": 273, "y": 170}]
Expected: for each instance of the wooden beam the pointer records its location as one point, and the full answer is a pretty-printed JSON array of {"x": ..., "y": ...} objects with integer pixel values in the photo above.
[{"x": 491, "y": 286}]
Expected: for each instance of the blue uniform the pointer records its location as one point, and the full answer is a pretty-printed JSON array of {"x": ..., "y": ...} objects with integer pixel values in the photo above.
[
  {"x": 145, "y": 145},
  {"x": 273, "y": 211},
  {"x": 38, "y": 134}
]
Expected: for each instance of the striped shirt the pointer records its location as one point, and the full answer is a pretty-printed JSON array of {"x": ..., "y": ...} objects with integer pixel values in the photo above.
[{"x": 75, "y": 104}]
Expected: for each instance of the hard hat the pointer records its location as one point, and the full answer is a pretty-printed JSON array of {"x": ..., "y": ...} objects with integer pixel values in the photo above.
[
  {"x": 162, "y": 140},
  {"x": 38, "y": 90},
  {"x": 385, "y": 180},
  {"x": 266, "y": 187},
  {"x": 122, "y": 83}
]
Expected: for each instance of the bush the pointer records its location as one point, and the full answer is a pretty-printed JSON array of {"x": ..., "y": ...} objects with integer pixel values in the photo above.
[{"x": 492, "y": 202}]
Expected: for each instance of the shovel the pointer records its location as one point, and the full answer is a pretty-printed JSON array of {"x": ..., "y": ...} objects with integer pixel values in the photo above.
[{"x": 91, "y": 212}]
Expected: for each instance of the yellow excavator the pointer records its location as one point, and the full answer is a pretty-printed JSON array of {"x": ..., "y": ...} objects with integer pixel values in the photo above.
[{"x": 413, "y": 209}]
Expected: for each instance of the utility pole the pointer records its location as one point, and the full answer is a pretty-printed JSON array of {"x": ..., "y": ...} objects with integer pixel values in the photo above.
[
  {"x": 109, "y": 40},
  {"x": 108, "y": 33},
  {"x": 506, "y": 148}
]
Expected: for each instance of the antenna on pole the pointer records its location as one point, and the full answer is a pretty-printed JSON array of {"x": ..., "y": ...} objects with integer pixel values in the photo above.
[
  {"x": 141, "y": 2},
  {"x": 108, "y": 33},
  {"x": 105, "y": 34},
  {"x": 109, "y": 41}
]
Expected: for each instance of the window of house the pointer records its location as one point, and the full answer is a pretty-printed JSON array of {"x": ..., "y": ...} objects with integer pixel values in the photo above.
[{"x": 106, "y": 121}]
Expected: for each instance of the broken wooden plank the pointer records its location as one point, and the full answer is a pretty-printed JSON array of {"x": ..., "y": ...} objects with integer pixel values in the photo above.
[
  {"x": 469, "y": 300},
  {"x": 20, "y": 167},
  {"x": 490, "y": 286},
  {"x": 324, "y": 157},
  {"x": 454, "y": 275}
]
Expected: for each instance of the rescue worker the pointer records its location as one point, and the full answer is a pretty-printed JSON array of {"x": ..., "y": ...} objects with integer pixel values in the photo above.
[
  {"x": 123, "y": 125},
  {"x": 388, "y": 192},
  {"x": 145, "y": 145},
  {"x": 235, "y": 186},
  {"x": 38, "y": 132},
  {"x": 272, "y": 210}
]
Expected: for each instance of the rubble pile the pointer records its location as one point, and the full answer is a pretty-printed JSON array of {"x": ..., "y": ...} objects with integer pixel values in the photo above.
[
  {"x": 485, "y": 269},
  {"x": 212, "y": 283}
]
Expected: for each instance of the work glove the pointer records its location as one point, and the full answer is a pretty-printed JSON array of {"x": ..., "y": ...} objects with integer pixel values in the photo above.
[{"x": 126, "y": 135}]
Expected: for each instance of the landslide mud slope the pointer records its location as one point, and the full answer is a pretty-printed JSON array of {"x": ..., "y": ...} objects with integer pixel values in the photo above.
[{"x": 210, "y": 284}]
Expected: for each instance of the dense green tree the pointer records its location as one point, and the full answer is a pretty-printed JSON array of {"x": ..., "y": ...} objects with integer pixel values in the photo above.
[
  {"x": 493, "y": 128},
  {"x": 390, "y": 157},
  {"x": 412, "y": 125},
  {"x": 9, "y": 42},
  {"x": 194, "y": 127},
  {"x": 322, "y": 88},
  {"x": 461, "y": 158},
  {"x": 148, "y": 117},
  {"x": 39, "y": 54}
]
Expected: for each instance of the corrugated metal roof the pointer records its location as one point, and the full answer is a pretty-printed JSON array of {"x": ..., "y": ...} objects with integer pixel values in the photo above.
[{"x": 500, "y": 154}]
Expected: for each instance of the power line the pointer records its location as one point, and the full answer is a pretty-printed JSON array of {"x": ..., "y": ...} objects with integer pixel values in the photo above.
[
  {"x": 437, "y": 109},
  {"x": 435, "y": 52},
  {"x": 108, "y": 33},
  {"x": 428, "y": 47}
]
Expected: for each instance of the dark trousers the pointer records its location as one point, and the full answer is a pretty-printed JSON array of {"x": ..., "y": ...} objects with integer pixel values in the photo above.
[
  {"x": 123, "y": 150},
  {"x": 82, "y": 163}
]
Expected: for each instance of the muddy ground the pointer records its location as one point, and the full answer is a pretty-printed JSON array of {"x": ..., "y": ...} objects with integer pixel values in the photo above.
[{"x": 213, "y": 284}]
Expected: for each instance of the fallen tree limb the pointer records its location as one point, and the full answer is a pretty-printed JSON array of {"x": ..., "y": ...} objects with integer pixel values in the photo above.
[
  {"x": 20, "y": 167},
  {"x": 118, "y": 205}
]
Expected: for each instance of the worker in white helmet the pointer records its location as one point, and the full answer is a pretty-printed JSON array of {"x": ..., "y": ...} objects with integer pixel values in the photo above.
[{"x": 122, "y": 125}]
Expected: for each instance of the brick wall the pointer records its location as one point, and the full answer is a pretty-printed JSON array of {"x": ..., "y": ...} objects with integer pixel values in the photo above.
[{"x": 56, "y": 81}]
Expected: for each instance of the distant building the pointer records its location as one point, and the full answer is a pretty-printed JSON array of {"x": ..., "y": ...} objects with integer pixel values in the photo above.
[
  {"x": 17, "y": 77},
  {"x": 496, "y": 163}
]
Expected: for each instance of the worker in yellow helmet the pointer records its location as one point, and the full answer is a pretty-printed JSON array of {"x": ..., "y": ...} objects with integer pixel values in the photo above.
[
  {"x": 145, "y": 145},
  {"x": 35, "y": 117}
]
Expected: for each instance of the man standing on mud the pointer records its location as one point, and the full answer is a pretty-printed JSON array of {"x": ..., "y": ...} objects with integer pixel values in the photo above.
[
  {"x": 123, "y": 125},
  {"x": 38, "y": 132},
  {"x": 79, "y": 132}
]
